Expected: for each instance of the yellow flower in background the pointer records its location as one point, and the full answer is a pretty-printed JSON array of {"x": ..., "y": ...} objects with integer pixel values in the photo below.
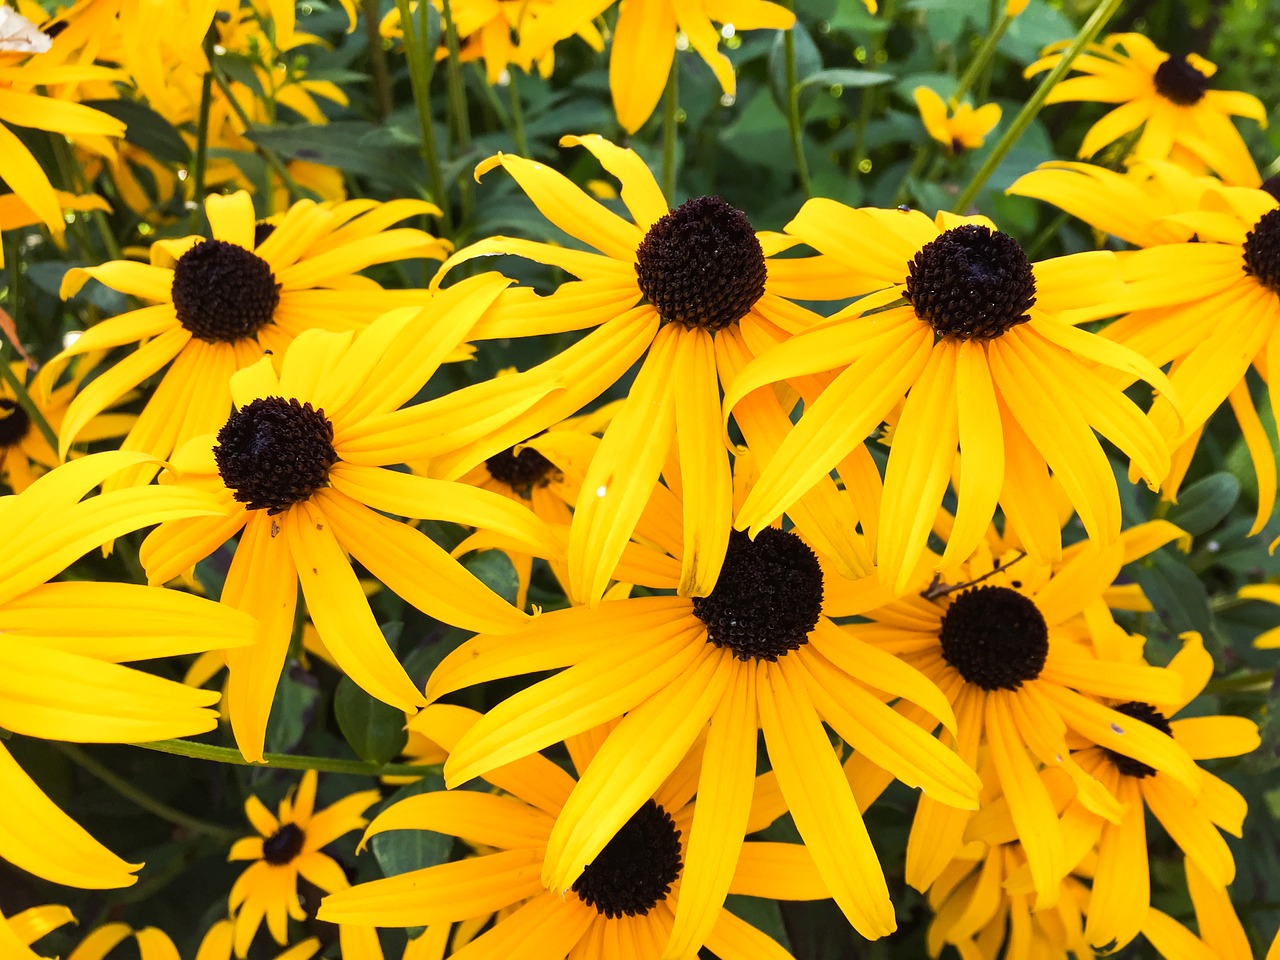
[
  {"x": 15, "y": 213},
  {"x": 152, "y": 943},
  {"x": 1204, "y": 294},
  {"x": 491, "y": 30},
  {"x": 289, "y": 846},
  {"x": 18, "y": 932},
  {"x": 216, "y": 305},
  {"x": 693, "y": 291},
  {"x": 625, "y": 902},
  {"x": 1164, "y": 96},
  {"x": 996, "y": 376},
  {"x": 299, "y": 472},
  {"x": 958, "y": 127},
  {"x": 62, "y": 673},
  {"x": 761, "y": 651},
  {"x": 644, "y": 43}
]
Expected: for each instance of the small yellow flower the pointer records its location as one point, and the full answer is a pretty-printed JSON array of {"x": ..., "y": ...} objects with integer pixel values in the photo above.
[{"x": 957, "y": 126}]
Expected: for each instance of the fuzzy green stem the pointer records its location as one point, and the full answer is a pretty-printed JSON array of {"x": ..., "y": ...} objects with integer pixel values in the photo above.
[
  {"x": 147, "y": 802},
  {"x": 20, "y": 390},
  {"x": 794, "y": 126},
  {"x": 421, "y": 69},
  {"x": 201, "y": 160},
  {"x": 670, "y": 124},
  {"x": 1092, "y": 27},
  {"x": 288, "y": 761},
  {"x": 377, "y": 61},
  {"x": 517, "y": 114},
  {"x": 458, "y": 103}
]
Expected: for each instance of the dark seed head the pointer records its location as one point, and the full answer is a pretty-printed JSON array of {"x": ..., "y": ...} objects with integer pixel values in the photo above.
[
  {"x": 1145, "y": 713},
  {"x": 521, "y": 472},
  {"x": 768, "y": 597},
  {"x": 14, "y": 422},
  {"x": 634, "y": 873},
  {"x": 283, "y": 845},
  {"x": 1180, "y": 82},
  {"x": 261, "y": 230},
  {"x": 972, "y": 283},
  {"x": 1262, "y": 250},
  {"x": 701, "y": 265},
  {"x": 222, "y": 292},
  {"x": 1271, "y": 185},
  {"x": 274, "y": 453},
  {"x": 995, "y": 637}
]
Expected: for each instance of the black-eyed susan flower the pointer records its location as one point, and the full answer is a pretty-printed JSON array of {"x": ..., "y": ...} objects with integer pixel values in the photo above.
[
  {"x": 108, "y": 942},
  {"x": 625, "y": 902},
  {"x": 1204, "y": 294},
  {"x": 1022, "y": 650},
  {"x": 691, "y": 290},
  {"x": 215, "y": 305},
  {"x": 62, "y": 675},
  {"x": 760, "y": 651},
  {"x": 957, "y": 126},
  {"x": 290, "y": 845},
  {"x": 1165, "y": 96},
  {"x": 1192, "y": 818},
  {"x": 644, "y": 43},
  {"x": 980, "y": 341},
  {"x": 299, "y": 472}
]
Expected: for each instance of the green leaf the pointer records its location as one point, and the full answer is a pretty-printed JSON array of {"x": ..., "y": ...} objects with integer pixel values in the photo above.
[
  {"x": 496, "y": 571},
  {"x": 764, "y": 915},
  {"x": 845, "y": 78},
  {"x": 355, "y": 146},
  {"x": 374, "y": 729},
  {"x": 1204, "y": 504},
  {"x": 292, "y": 709},
  {"x": 146, "y": 129},
  {"x": 400, "y": 851},
  {"x": 1176, "y": 594}
]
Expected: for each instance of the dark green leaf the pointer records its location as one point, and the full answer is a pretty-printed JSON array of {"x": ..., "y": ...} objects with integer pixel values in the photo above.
[
  {"x": 292, "y": 709},
  {"x": 399, "y": 851},
  {"x": 146, "y": 129},
  {"x": 764, "y": 915},
  {"x": 496, "y": 571},
  {"x": 374, "y": 729},
  {"x": 1202, "y": 506},
  {"x": 1176, "y": 593},
  {"x": 353, "y": 145}
]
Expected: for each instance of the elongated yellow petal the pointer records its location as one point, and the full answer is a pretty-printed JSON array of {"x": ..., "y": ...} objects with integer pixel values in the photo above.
[
  {"x": 478, "y": 818},
  {"x": 1190, "y": 828},
  {"x": 1220, "y": 928},
  {"x": 546, "y": 928},
  {"x": 231, "y": 216},
  {"x": 981, "y": 449},
  {"x": 1122, "y": 882},
  {"x": 640, "y": 191},
  {"x": 644, "y": 49},
  {"x": 734, "y": 937}
]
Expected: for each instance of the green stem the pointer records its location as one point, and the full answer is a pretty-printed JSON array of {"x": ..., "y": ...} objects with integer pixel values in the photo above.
[
  {"x": 20, "y": 390},
  {"x": 924, "y": 153},
  {"x": 517, "y": 114},
  {"x": 793, "y": 112},
  {"x": 201, "y": 161},
  {"x": 288, "y": 761},
  {"x": 670, "y": 125},
  {"x": 420, "y": 72},
  {"x": 273, "y": 161},
  {"x": 458, "y": 102},
  {"x": 982, "y": 59},
  {"x": 1259, "y": 680},
  {"x": 141, "y": 799},
  {"x": 377, "y": 60},
  {"x": 1044, "y": 236},
  {"x": 870, "y": 98},
  {"x": 1092, "y": 27}
]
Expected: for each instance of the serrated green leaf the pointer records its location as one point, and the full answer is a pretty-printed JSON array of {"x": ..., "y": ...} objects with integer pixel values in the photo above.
[{"x": 1204, "y": 504}]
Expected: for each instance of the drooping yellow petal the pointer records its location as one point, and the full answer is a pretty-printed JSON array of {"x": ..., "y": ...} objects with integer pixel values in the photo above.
[
  {"x": 644, "y": 49},
  {"x": 478, "y": 818}
]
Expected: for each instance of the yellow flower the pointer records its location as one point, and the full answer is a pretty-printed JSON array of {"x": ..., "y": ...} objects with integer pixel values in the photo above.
[
  {"x": 217, "y": 304},
  {"x": 981, "y": 342},
  {"x": 18, "y": 932},
  {"x": 1204, "y": 294},
  {"x": 153, "y": 943},
  {"x": 958, "y": 127},
  {"x": 289, "y": 846},
  {"x": 761, "y": 651},
  {"x": 628, "y": 899},
  {"x": 696, "y": 290},
  {"x": 62, "y": 675},
  {"x": 299, "y": 472},
  {"x": 1167, "y": 98},
  {"x": 644, "y": 43}
]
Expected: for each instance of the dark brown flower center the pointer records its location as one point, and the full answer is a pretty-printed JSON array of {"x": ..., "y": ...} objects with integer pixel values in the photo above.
[
  {"x": 1271, "y": 185},
  {"x": 14, "y": 422},
  {"x": 996, "y": 637},
  {"x": 1145, "y": 713},
  {"x": 768, "y": 596},
  {"x": 1181, "y": 83},
  {"x": 1262, "y": 250},
  {"x": 972, "y": 283},
  {"x": 222, "y": 292},
  {"x": 521, "y": 471},
  {"x": 261, "y": 230},
  {"x": 634, "y": 872},
  {"x": 701, "y": 265},
  {"x": 274, "y": 453},
  {"x": 283, "y": 845}
]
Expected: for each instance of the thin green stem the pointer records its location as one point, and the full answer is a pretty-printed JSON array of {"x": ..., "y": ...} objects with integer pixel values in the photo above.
[
  {"x": 144, "y": 800},
  {"x": 458, "y": 103},
  {"x": 1044, "y": 236},
  {"x": 377, "y": 60},
  {"x": 288, "y": 761},
  {"x": 794, "y": 126},
  {"x": 982, "y": 59},
  {"x": 670, "y": 132},
  {"x": 924, "y": 153},
  {"x": 277, "y": 165},
  {"x": 420, "y": 72},
  {"x": 1092, "y": 27},
  {"x": 870, "y": 97},
  {"x": 20, "y": 390},
  {"x": 201, "y": 160},
  {"x": 1257, "y": 680},
  {"x": 517, "y": 114}
]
